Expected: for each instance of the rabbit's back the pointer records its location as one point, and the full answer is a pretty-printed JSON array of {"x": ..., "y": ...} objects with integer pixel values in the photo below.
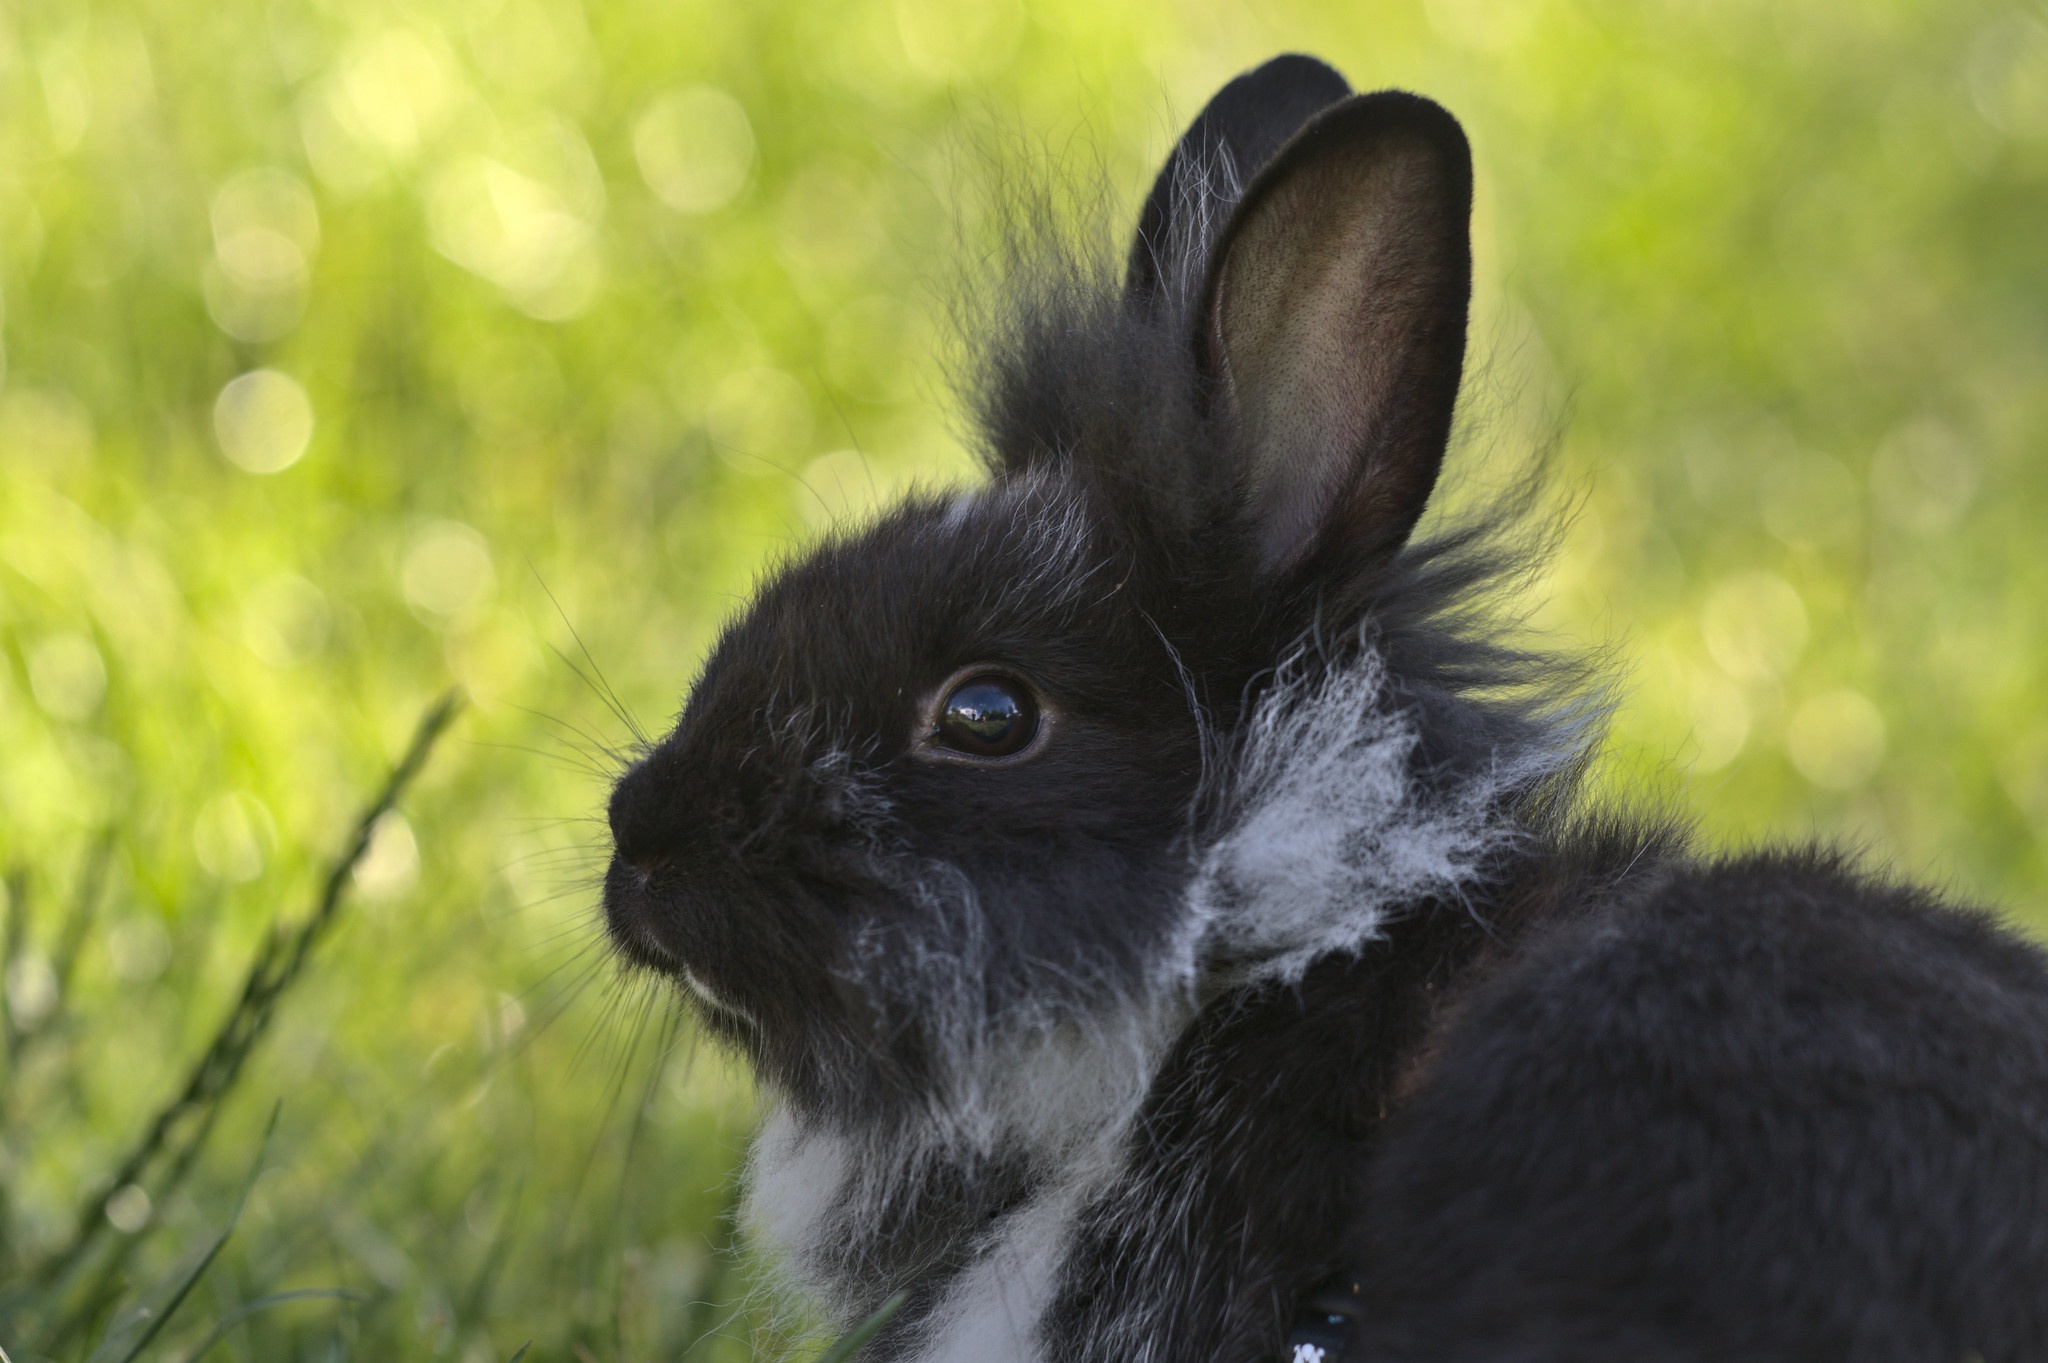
[{"x": 1761, "y": 1108}]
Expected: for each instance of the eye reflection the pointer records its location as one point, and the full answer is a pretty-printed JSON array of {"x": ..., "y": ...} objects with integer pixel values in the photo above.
[{"x": 988, "y": 716}]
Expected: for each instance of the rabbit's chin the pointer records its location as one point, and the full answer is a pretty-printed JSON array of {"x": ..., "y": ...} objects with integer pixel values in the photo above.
[{"x": 1024, "y": 1136}]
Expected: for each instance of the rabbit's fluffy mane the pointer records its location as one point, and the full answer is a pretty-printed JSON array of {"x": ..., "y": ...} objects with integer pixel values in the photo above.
[{"x": 1390, "y": 760}]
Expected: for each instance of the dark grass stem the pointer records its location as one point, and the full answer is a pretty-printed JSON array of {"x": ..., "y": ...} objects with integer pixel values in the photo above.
[
  {"x": 857, "y": 1339},
  {"x": 261, "y": 1304},
  {"x": 701, "y": 1327},
  {"x": 123, "y": 1345},
  {"x": 12, "y": 948},
  {"x": 77, "y": 926},
  {"x": 174, "y": 1138},
  {"x": 85, "y": 907}
]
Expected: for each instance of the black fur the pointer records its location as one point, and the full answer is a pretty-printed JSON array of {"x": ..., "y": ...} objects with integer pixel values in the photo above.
[
  {"x": 1544, "y": 1082},
  {"x": 1249, "y": 119}
]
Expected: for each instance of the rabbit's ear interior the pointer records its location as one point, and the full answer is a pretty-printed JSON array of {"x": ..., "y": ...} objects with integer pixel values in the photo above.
[
  {"x": 1333, "y": 327},
  {"x": 1234, "y": 135}
]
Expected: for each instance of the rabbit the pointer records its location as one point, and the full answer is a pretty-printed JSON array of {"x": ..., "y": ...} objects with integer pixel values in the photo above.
[{"x": 1165, "y": 910}]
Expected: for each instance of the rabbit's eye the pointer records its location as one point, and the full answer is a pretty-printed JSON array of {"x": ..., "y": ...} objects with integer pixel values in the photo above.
[{"x": 988, "y": 716}]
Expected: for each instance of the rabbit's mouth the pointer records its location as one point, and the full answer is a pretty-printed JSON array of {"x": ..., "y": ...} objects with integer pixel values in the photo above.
[
  {"x": 706, "y": 994},
  {"x": 648, "y": 927}
]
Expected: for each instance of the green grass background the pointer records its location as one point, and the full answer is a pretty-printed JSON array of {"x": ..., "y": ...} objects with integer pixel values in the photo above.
[{"x": 358, "y": 349}]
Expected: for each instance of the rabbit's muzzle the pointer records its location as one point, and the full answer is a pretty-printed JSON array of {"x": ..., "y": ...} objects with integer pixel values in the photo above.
[
  {"x": 662, "y": 886},
  {"x": 721, "y": 885}
]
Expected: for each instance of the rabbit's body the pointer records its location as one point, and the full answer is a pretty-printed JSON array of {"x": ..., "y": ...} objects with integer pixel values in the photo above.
[{"x": 1148, "y": 888}]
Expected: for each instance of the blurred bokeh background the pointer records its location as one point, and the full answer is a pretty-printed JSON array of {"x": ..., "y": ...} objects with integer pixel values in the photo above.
[{"x": 355, "y": 349}]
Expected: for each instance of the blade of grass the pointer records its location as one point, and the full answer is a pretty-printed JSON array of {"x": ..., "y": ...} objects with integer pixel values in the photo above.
[
  {"x": 85, "y": 907},
  {"x": 12, "y": 948},
  {"x": 857, "y": 1338},
  {"x": 15, "y": 896},
  {"x": 260, "y": 1304},
  {"x": 278, "y": 965},
  {"x": 476, "y": 1298},
  {"x": 700, "y": 1325},
  {"x": 77, "y": 926},
  {"x": 148, "y": 1323}
]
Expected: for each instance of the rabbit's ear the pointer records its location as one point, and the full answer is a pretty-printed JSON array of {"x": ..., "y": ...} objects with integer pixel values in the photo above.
[
  {"x": 1234, "y": 135},
  {"x": 1333, "y": 326}
]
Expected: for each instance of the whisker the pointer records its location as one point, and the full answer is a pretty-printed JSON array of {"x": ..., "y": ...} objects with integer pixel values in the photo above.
[
  {"x": 585, "y": 737},
  {"x": 569, "y": 760},
  {"x": 601, "y": 687}
]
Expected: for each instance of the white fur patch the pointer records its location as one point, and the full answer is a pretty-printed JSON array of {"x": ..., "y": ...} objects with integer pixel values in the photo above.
[
  {"x": 1331, "y": 833},
  {"x": 795, "y": 1176},
  {"x": 1206, "y": 188},
  {"x": 1063, "y": 1098},
  {"x": 991, "y": 1312}
]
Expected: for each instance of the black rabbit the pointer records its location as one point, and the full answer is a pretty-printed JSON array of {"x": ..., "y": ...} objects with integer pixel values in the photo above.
[{"x": 1167, "y": 919}]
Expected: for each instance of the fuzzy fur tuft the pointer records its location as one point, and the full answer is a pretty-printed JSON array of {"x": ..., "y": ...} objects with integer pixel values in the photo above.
[{"x": 1333, "y": 831}]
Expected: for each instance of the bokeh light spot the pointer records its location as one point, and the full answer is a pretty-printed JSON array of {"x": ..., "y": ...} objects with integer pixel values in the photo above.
[
  {"x": 67, "y": 96},
  {"x": 397, "y": 89},
  {"x": 1755, "y": 626},
  {"x": 447, "y": 574},
  {"x": 2008, "y": 74},
  {"x": 260, "y": 259},
  {"x": 31, "y": 988},
  {"x": 263, "y": 420},
  {"x": 266, "y": 230},
  {"x": 129, "y": 1208},
  {"x": 532, "y": 235},
  {"x": 695, "y": 147},
  {"x": 68, "y": 676},
  {"x": 392, "y": 864},
  {"x": 138, "y": 949},
  {"x": 231, "y": 835}
]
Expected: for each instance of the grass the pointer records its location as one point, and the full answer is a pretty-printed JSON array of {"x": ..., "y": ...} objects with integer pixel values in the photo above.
[
  {"x": 71, "y": 1291},
  {"x": 121, "y": 1285}
]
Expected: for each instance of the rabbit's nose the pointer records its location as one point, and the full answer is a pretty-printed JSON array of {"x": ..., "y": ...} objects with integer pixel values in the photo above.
[
  {"x": 649, "y": 862},
  {"x": 644, "y": 818}
]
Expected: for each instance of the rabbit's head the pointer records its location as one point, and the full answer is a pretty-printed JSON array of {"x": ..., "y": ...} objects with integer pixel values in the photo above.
[{"x": 1169, "y": 702}]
